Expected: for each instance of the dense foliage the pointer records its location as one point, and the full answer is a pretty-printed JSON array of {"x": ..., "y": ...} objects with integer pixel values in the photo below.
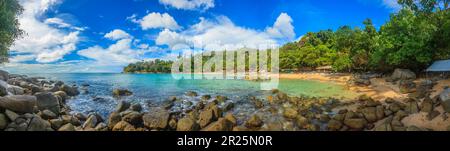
[
  {"x": 156, "y": 66},
  {"x": 413, "y": 38},
  {"x": 9, "y": 25}
]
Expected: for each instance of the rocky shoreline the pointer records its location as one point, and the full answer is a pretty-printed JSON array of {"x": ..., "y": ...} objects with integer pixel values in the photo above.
[{"x": 37, "y": 104}]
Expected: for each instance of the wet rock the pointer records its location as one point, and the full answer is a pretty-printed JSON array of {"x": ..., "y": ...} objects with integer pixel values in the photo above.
[
  {"x": 3, "y": 121},
  {"x": 91, "y": 122},
  {"x": 121, "y": 92},
  {"x": 334, "y": 125},
  {"x": 123, "y": 126},
  {"x": 191, "y": 93},
  {"x": 187, "y": 124},
  {"x": 61, "y": 94},
  {"x": 200, "y": 106},
  {"x": 122, "y": 106},
  {"x": 136, "y": 107},
  {"x": 133, "y": 117},
  {"x": 80, "y": 116},
  {"x": 205, "y": 118},
  {"x": 217, "y": 112},
  {"x": 101, "y": 127},
  {"x": 254, "y": 122},
  {"x": 46, "y": 100},
  {"x": 275, "y": 91},
  {"x": 67, "y": 127},
  {"x": 356, "y": 123},
  {"x": 47, "y": 114},
  {"x": 70, "y": 90},
  {"x": 206, "y": 97},
  {"x": 19, "y": 103},
  {"x": 113, "y": 119},
  {"x": 403, "y": 74},
  {"x": 221, "y": 98},
  {"x": 156, "y": 119},
  {"x": 172, "y": 99},
  {"x": 228, "y": 106},
  {"x": 290, "y": 113},
  {"x": 230, "y": 117},
  {"x": 220, "y": 125}
]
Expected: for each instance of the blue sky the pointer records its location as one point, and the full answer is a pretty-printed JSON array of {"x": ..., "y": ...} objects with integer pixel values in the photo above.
[{"x": 105, "y": 35}]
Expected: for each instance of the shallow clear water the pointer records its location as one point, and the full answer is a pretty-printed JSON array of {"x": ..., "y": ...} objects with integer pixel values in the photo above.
[{"x": 158, "y": 87}]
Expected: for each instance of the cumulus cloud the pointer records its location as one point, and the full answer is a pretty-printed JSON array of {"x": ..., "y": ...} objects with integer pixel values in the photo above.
[
  {"x": 124, "y": 51},
  {"x": 157, "y": 20},
  {"x": 189, "y": 4},
  {"x": 222, "y": 34},
  {"x": 282, "y": 28},
  {"x": 43, "y": 43},
  {"x": 117, "y": 34}
]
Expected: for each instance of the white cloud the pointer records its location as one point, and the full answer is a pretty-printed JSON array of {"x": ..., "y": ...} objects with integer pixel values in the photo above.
[
  {"x": 121, "y": 53},
  {"x": 189, "y": 4},
  {"x": 282, "y": 28},
  {"x": 158, "y": 20},
  {"x": 117, "y": 34},
  {"x": 222, "y": 33},
  {"x": 61, "y": 24},
  {"x": 392, "y": 4},
  {"x": 42, "y": 42}
]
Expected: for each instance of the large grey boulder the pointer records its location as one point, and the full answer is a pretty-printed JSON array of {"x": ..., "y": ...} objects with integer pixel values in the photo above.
[
  {"x": 4, "y": 75},
  {"x": 15, "y": 90},
  {"x": 3, "y": 88},
  {"x": 46, "y": 100},
  {"x": 403, "y": 74},
  {"x": 19, "y": 103},
  {"x": 156, "y": 119}
]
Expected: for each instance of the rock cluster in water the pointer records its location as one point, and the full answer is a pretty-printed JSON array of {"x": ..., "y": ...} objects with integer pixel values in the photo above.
[{"x": 36, "y": 104}]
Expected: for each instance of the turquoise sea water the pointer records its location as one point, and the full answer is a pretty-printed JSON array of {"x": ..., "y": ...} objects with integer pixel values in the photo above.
[{"x": 149, "y": 88}]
